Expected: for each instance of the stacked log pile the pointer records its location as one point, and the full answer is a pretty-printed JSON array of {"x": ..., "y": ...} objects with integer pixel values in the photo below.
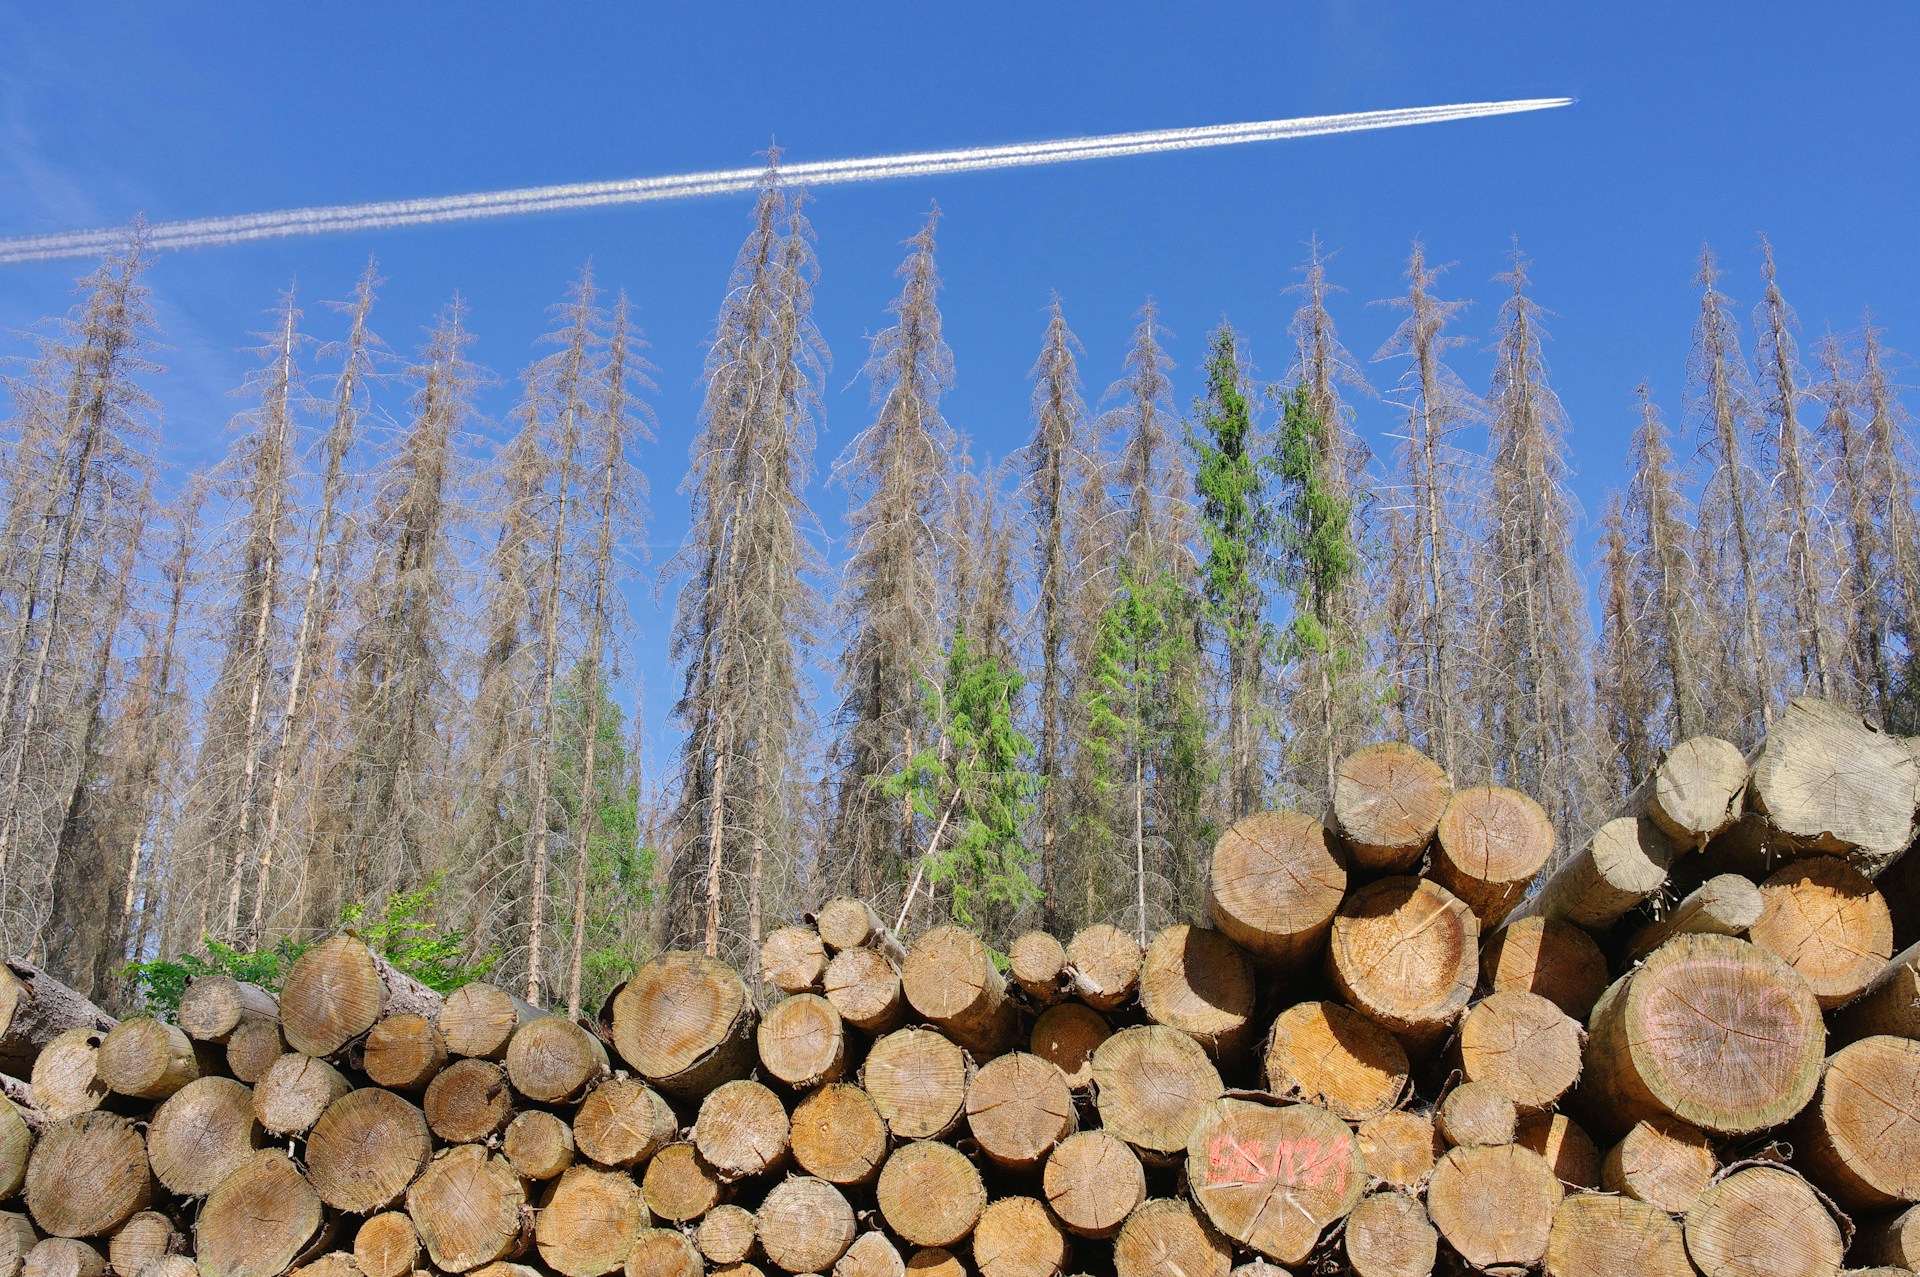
[{"x": 1401, "y": 1047}]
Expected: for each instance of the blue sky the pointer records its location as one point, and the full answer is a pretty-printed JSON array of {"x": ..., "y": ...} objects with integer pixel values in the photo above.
[{"x": 1694, "y": 123}]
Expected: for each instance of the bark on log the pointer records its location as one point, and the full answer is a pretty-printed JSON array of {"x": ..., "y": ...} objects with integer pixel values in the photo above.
[
  {"x": 677, "y": 1186},
  {"x": 1860, "y": 1138},
  {"x": 1066, "y": 1036},
  {"x": 918, "y": 1081},
  {"x": 479, "y": 1019},
  {"x": 1477, "y": 1113},
  {"x": 366, "y": 1149},
  {"x": 1018, "y": 1107},
  {"x": 66, "y": 1081},
  {"x": 1275, "y": 880},
  {"x": 1890, "y": 1005},
  {"x": 1661, "y": 1161},
  {"x": 1165, "y": 1235},
  {"x": 146, "y": 1059},
  {"x": 1406, "y": 953},
  {"x": 294, "y": 1093},
  {"x": 1596, "y": 1235},
  {"x": 804, "y": 1225},
  {"x": 1830, "y": 782},
  {"x": 1554, "y": 959},
  {"x": 253, "y": 1046},
  {"x": 803, "y": 1042},
  {"x": 1824, "y": 917},
  {"x": 552, "y": 1060},
  {"x": 589, "y": 1222},
  {"x": 871, "y": 1255},
  {"x": 838, "y": 1135},
  {"x": 1699, "y": 789},
  {"x": 146, "y": 1237},
  {"x": 685, "y": 1024},
  {"x": 742, "y": 1130},
  {"x": 726, "y": 1235},
  {"x": 471, "y": 1209},
  {"x": 1273, "y": 1177},
  {"x": 1494, "y": 1203},
  {"x": 622, "y": 1123},
  {"x": 258, "y": 1221},
  {"x": 1491, "y": 842},
  {"x": 1103, "y": 966},
  {"x": 930, "y": 1194},
  {"x": 1569, "y": 1150},
  {"x": 950, "y": 979},
  {"x": 1399, "y": 1148},
  {"x": 386, "y": 1245},
  {"x": 1711, "y": 1030},
  {"x": 1624, "y": 863},
  {"x": 213, "y": 1006},
  {"x": 663, "y": 1252},
  {"x": 864, "y": 987},
  {"x": 850, "y": 923},
  {"x": 403, "y": 1053},
  {"x": 339, "y": 989},
  {"x": 538, "y": 1145},
  {"x": 202, "y": 1134},
  {"x": 1093, "y": 1181},
  {"x": 1330, "y": 1055},
  {"x": 1153, "y": 1085},
  {"x": 1527, "y": 1047},
  {"x": 35, "y": 1009},
  {"x": 1723, "y": 905},
  {"x": 63, "y": 1257},
  {"x": 468, "y": 1101},
  {"x": 1763, "y": 1222},
  {"x": 1200, "y": 982},
  {"x": 793, "y": 960},
  {"x": 1891, "y": 1240},
  {"x": 1387, "y": 801},
  {"x": 1037, "y": 962},
  {"x": 88, "y": 1175},
  {"x": 1389, "y": 1235},
  {"x": 1017, "y": 1237}
]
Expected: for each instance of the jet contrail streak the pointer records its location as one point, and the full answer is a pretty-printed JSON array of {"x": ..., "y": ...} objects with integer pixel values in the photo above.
[{"x": 210, "y": 231}]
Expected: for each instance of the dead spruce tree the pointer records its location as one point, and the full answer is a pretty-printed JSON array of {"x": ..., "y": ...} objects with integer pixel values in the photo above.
[
  {"x": 1664, "y": 592},
  {"x": 895, "y": 472},
  {"x": 1842, "y": 440},
  {"x": 1625, "y": 703},
  {"x": 746, "y": 608},
  {"x": 1889, "y": 447}
]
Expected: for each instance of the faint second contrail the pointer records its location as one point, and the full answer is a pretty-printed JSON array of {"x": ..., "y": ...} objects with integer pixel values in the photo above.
[{"x": 207, "y": 231}]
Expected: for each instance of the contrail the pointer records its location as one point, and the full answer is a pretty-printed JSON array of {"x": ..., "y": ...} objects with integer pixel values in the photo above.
[{"x": 210, "y": 231}]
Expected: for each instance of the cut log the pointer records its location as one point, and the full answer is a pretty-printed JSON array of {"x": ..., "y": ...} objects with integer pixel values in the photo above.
[
  {"x": 88, "y": 1176},
  {"x": 1406, "y": 953},
  {"x": 742, "y": 1130},
  {"x": 793, "y": 960},
  {"x": 1399, "y": 1148},
  {"x": 1662, "y": 1161},
  {"x": 677, "y": 1186},
  {"x": 468, "y": 1102},
  {"x": 684, "y": 1022},
  {"x": 146, "y": 1237},
  {"x": 1274, "y": 883},
  {"x": 864, "y": 987},
  {"x": 296, "y": 1090},
  {"x": 949, "y": 978},
  {"x": 1387, "y": 801},
  {"x": 1824, "y": 917},
  {"x": 1200, "y": 982},
  {"x": 253, "y": 1046},
  {"x": 1890, "y": 1005},
  {"x": 1103, "y": 966},
  {"x": 66, "y": 1081},
  {"x": 1624, "y": 863},
  {"x": 202, "y": 1134},
  {"x": 1333, "y": 1056},
  {"x": 1763, "y": 1222},
  {"x": 1066, "y": 1036},
  {"x": 804, "y": 1225},
  {"x": 1093, "y": 1181},
  {"x": 366, "y": 1149},
  {"x": 1723, "y": 905},
  {"x": 213, "y": 1006},
  {"x": 1860, "y": 1138},
  {"x": 1711, "y": 1030},
  {"x": 838, "y": 1135},
  {"x": 146, "y": 1059},
  {"x": 803, "y": 1042},
  {"x": 1273, "y": 1178},
  {"x": 1389, "y": 1235},
  {"x": 1018, "y": 1107},
  {"x": 17, "y": 1126},
  {"x": 850, "y": 923},
  {"x": 538, "y": 1145},
  {"x": 1153, "y": 1085},
  {"x": 172, "y": 1266},
  {"x": 663, "y": 1252},
  {"x": 1475, "y": 1114},
  {"x": 339, "y": 989},
  {"x": 930, "y": 1194},
  {"x": 623, "y": 1123},
  {"x": 1554, "y": 959},
  {"x": 1037, "y": 962},
  {"x": 552, "y": 1060},
  {"x": 1491, "y": 842},
  {"x": 1699, "y": 789},
  {"x": 479, "y": 1019},
  {"x": 918, "y": 1081},
  {"x": 1164, "y": 1236},
  {"x": 1596, "y": 1235},
  {"x": 1569, "y": 1150},
  {"x": 403, "y": 1053},
  {"x": 1017, "y": 1237},
  {"x": 471, "y": 1209},
  {"x": 871, "y": 1255},
  {"x": 935, "y": 1261},
  {"x": 589, "y": 1222},
  {"x": 332, "y": 1263},
  {"x": 1527, "y": 1047},
  {"x": 726, "y": 1235},
  {"x": 35, "y": 1009},
  {"x": 1830, "y": 782},
  {"x": 17, "y": 1237},
  {"x": 63, "y": 1257},
  {"x": 386, "y": 1245},
  {"x": 1494, "y": 1203},
  {"x": 1891, "y": 1240},
  {"x": 258, "y": 1220}
]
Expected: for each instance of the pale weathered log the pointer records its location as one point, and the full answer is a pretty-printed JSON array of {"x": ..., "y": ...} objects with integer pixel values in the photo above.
[
  {"x": 1103, "y": 966},
  {"x": 1406, "y": 953},
  {"x": 677, "y": 1186},
  {"x": 1153, "y": 1085},
  {"x": 258, "y": 1220},
  {"x": 930, "y": 1194},
  {"x": 793, "y": 960},
  {"x": 17, "y": 1237},
  {"x": 1491, "y": 842},
  {"x": 1399, "y": 1148},
  {"x": 1554, "y": 959},
  {"x": 203, "y": 1133},
  {"x": 1018, "y": 1237},
  {"x": 538, "y": 1144},
  {"x": 1066, "y": 1036},
  {"x": 1763, "y": 1221},
  {"x": 1018, "y": 1107},
  {"x": 1662, "y": 1161},
  {"x": 1723, "y": 905},
  {"x": 1387, "y": 801},
  {"x": 146, "y": 1059},
  {"x": 35, "y": 1009},
  {"x": 727, "y": 1234},
  {"x": 623, "y": 1123},
  {"x": 1093, "y": 1181},
  {"x": 403, "y": 1053},
  {"x": 1477, "y": 1113},
  {"x": 1830, "y": 782},
  {"x": 684, "y": 1022},
  {"x": 478, "y": 1021},
  {"x": 471, "y": 1209},
  {"x": 552, "y": 1060},
  {"x": 66, "y": 1080},
  {"x": 1494, "y": 1203},
  {"x": 663, "y": 1252},
  {"x": 1330, "y": 1055},
  {"x": 468, "y": 1101},
  {"x": 589, "y": 1222},
  {"x": 386, "y": 1245},
  {"x": 366, "y": 1149},
  {"x": 328, "y": 1263},
  {"x": 864, "y": 987},
  {"x": 295, "y": 1091},
  {"x": 1273, "y": 885},
  {"x": 1569, "y": 1150},
  {"x": 741, "y": 1130},
  {"x": 1036, "y": 962},
  {"x": 918, "y": 1080},
  {"x": 88, "y": 1175},
  {"x": 339, "y": 989},
  {"x": 802, "y": 1041},
  {"x": 1599, "y": 1235},
  {"x": 949, "y": 978},
  {"x": 1890, "y": 1005},
  {"x": 253, "y": 1046},
  {"x": 1860, "y": 1138},
  {"x": 19, "y": 1121},
  {"x": 1524, "y": 1045},
  {"x": 1824, "y": 917},
  {"x": 1273, "y": 1177},
  {"x": 804, "y": 1225},
  {"x": 838, "y": 1134},
  {"x": 63, "y": 1257},
  {"x": 1200, "y": 982},
  {"x": 172, "y": 1266},
  {"x": 1166, "y": 1235},
  {"x": 850, "y": 923},
  {"x": 1698, "y": 789},
  {"x": 872, "y": 1254},
  {"x": 1389, "y": 1235},
  {"x": 146, "y": 1237},
  {"x": 213, "y": 1006},
  {"x": 1623, "y": 864}
]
